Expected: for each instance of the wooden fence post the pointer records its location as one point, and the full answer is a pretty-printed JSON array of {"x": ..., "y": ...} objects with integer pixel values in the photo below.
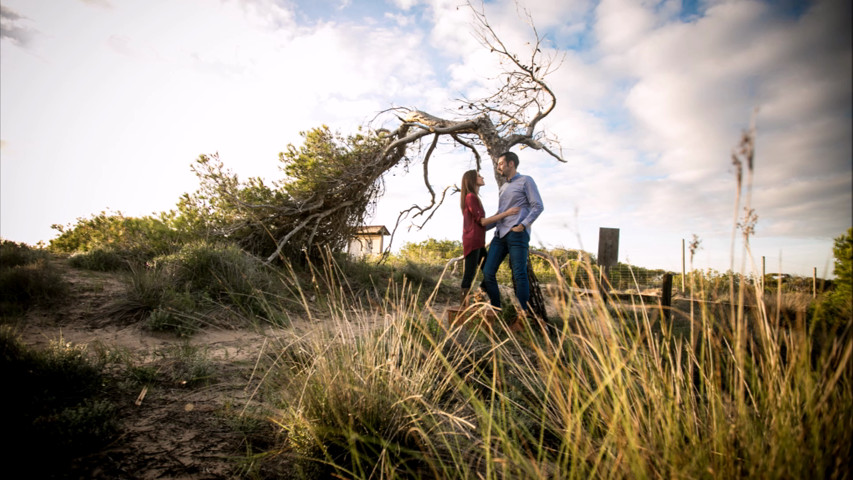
[
  {"x": 683, "y": 266},
  {"x": 814, "y": 282},
  {"x": 666, "y": 296},
  {"x": 608, "y": 255}
]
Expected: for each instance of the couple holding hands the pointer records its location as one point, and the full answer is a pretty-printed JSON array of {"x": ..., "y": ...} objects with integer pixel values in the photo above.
[{"x": 518, "y": 207}]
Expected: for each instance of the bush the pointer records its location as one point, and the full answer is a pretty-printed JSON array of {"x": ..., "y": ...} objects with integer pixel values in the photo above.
[
  {"x": 431, "y": 251},
  {"x": 132, "y": 238},
  {"x": 354, "y": 410},
  {"x": 14, "y": 254},
  {"x": 100, "y": 259},
  {"x": 363, "y": 275},
  {"x": 169, "y": 293},
  {"x": 186, "y": 365},
  {"x": 836, "y": 308},
  {"x": 153, "y": 298},
  {"x": 175, "y": 320},
  {"x": 147, "y": 292},
  {"x": 56, "y": 405},
  {"x": 222, "y": 273},
  {"x": 78, "y": 428},
  {"x": 25, "y": 285}
]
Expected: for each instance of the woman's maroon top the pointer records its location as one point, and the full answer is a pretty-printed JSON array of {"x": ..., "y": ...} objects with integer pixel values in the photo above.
[{"x": 473, "y": 234}]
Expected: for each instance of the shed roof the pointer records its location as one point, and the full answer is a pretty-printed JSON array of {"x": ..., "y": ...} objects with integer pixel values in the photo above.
[{"x": 372, "y": 230}]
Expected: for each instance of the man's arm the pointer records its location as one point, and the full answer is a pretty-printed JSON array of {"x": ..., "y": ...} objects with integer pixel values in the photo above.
[{"x": 535, "y": 202}]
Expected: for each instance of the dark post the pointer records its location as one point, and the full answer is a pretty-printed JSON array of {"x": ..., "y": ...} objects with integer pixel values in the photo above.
[
  {"x": 608, "y": 255},
  {"x": 666, "y": 296}
]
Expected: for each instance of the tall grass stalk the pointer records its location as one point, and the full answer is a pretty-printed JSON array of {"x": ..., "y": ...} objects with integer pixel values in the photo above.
[{"x": 388, "y": 391}]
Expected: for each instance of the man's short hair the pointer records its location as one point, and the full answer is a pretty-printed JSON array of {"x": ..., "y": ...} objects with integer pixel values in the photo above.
[{"x": 510, "y": 157}]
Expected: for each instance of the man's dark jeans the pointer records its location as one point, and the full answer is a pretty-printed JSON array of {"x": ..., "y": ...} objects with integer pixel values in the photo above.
[{"x": 516, "y": 245}]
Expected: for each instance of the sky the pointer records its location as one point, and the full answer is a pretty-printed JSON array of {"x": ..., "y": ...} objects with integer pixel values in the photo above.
[{"x": 105, "y": 105}]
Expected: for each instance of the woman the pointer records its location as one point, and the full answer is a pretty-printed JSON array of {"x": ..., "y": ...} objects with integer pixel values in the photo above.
[{"x": 474, "y": 226}]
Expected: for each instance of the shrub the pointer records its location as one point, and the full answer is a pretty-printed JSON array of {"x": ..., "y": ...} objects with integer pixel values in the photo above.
[
  {"x": 222, "y": 273},
  {"x": 366, "y": 276},
  {"x": 100, "y": 259},
  {"x": 377, "y": 404},
  {"x": 147, "y": 292},
  {"x": 14, "y": 254},
  {"x": 56, "y": 405},
  {"x": 25, "y": 285},
  {"x": 175, "y": 320},
  {"x": 187, "y": 365},
  {"x": 838, "y": 304},
  {"x": 132, "y": 238},
  {"x": 78, "y": 428},
  {"x": 432, "y": 251},
  {"x": 153, "y": 298},
  {"x": 171, "y": 293},
  {"x": 219, "y": 270}
]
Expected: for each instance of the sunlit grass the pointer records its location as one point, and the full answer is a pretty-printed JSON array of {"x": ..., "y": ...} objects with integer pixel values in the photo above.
[{"x": 388, "y": 391}]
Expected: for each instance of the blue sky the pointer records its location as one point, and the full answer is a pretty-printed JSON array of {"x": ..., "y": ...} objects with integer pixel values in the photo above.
[{"x": 104, "y": 104}]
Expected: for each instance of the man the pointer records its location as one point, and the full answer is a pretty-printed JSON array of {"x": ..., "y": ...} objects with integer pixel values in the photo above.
[{"x": 512, "y": 233}]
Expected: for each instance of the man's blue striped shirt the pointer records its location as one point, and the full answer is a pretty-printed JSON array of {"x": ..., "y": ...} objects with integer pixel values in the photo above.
[{"x": 519, "y": 191}]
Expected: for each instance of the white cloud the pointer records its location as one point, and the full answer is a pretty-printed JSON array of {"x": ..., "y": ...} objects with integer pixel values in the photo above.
[
  {"x": 108, "y": 107},
  {"x": 621, "y": 24},
  {"x": 405, "y": 4}
]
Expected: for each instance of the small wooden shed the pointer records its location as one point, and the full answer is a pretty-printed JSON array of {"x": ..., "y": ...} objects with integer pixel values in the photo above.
[{"x": 368, "y": 240}]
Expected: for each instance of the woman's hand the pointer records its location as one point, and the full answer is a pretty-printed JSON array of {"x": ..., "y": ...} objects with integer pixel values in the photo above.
[{"x": 498, "y": 216}]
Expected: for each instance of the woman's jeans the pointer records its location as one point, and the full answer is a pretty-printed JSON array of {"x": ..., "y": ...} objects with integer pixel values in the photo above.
[
  {"x": 516, "y": 245},
  {"x": 472, "y": 261}
]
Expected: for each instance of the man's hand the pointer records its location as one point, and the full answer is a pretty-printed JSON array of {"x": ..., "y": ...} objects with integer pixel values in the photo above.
[{"x": 518, "y": 228}]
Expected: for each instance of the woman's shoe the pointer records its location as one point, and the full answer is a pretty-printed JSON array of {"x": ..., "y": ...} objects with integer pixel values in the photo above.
[{"x": 480, "y": 296}]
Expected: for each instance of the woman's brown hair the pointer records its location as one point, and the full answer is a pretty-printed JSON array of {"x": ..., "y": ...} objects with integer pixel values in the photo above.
[{"x": 469, "y": 185}]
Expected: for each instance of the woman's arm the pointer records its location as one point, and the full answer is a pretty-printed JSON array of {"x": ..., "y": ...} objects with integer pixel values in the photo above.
[{"x": 498, "y": 216}]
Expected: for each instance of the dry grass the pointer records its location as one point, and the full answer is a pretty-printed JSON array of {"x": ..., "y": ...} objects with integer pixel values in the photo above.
[{"x": 602, "y": 392}]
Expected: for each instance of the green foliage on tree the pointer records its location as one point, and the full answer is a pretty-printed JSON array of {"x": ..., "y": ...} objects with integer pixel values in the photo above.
[
  {"x": 838, "y": 304},
  {"x": 843, "y": 252},
  {"x": 331, "y": 183},
  {"x": 432, "y": 250},
  {"x": 135, "y": 238}
]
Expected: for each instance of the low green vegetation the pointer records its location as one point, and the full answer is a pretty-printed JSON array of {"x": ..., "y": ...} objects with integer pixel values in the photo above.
[
  {"x": 381, "y": 387},
  {"x": 101, "y": 259},
  {"x": 27, "y": 278},
  {"x": 55, "y": 402},
  {"x": 836, "y": 306},
  {"x": 66, "y": 401},
  {"x": 109, "y": 241},
  {"x": 611, "y": 392},
  {"x": 183, "y": 291}
]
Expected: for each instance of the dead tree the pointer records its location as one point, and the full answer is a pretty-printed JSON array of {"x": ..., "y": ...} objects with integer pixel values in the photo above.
[
  {"x": 507, "y": 118},
  {"x": 293, "y": 223}
]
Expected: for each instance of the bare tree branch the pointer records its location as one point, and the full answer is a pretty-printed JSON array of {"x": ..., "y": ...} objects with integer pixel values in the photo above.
[
  {"x": 510, "y": 116},
  {"x": 469, "y": 146},
  {"x": 315, "y": 217}
]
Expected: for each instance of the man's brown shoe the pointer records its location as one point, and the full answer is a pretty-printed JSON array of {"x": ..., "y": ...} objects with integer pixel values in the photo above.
[{"x": 519, "y": 324}]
